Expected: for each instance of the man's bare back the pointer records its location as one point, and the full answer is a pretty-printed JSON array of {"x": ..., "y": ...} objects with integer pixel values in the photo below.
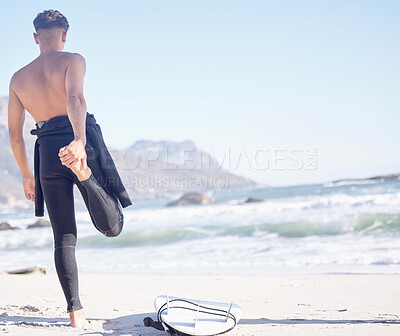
[{"x": 40, "y": 85}]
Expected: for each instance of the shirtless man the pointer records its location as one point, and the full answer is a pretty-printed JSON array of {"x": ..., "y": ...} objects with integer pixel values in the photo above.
[{"x": 50, "y": 88}]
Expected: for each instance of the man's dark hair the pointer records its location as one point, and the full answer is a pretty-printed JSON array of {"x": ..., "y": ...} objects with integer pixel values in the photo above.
[{"x": 49, "y": 19}]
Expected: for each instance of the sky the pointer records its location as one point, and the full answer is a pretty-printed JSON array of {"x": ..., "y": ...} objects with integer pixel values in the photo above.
[{"x": 283, "y": 92}]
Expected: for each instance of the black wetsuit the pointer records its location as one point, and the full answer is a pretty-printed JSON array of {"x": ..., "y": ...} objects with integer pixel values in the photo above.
[{"x": 55, "y": 182}]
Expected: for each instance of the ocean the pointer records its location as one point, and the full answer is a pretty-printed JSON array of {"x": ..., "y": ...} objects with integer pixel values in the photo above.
[{"x": 322, "y": 228}]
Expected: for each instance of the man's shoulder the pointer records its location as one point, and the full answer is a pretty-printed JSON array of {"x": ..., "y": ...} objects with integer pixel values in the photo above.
[
  {"x": 73, "y": 57},
  {"x": 18, "y": 75}
]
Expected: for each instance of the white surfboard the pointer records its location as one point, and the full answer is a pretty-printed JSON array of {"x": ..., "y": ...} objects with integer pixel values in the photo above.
[{"x": 197, "y": 317}]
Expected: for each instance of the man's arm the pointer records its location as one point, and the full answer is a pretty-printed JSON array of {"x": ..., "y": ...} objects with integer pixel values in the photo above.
[
  {"x": 16, "y": 119},
  {"x": 76, "y": 104},
  {"x": 76, "y": 109}
]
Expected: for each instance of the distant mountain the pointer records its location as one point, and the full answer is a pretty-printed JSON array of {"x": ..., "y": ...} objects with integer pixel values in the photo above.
[
  {"x": 167, "y": 168},
  {"x": 148, "y": 168},
  {"x": 378, "y": 178}
]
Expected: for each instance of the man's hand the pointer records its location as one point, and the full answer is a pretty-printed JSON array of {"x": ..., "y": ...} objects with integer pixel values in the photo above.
[
  {"x": 73, "y": 154},
  {"x": 29, "y": 187}
]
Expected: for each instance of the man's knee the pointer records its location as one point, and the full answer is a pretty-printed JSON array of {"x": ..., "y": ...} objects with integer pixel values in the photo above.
[
  {"x": 116, "y": 230},
  {"x": 64, "y": 239}
]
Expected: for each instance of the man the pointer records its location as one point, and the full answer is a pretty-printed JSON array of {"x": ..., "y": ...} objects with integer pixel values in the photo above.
[{"x": 69, "y": 150}]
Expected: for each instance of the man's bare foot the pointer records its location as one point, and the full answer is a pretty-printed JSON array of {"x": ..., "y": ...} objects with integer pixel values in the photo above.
[
  {"x": 77, "y": 318},
  {"x": 82, "y": 171}
]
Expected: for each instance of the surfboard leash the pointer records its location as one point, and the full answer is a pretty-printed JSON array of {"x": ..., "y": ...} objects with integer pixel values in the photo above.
[{"x": 223, "y": 313}]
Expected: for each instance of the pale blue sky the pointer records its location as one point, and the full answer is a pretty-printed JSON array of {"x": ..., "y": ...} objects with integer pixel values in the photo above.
[{"x": 236, "y": 77}]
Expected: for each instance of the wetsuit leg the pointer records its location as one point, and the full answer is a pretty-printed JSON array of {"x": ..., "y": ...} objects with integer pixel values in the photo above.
[
  {"x": 57, "y": 184},
  {"x": 104, "y": 209}
]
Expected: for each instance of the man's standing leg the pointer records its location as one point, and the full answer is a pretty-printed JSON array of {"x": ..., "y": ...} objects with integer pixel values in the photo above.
[
  {"x": 57, "y": 184},
  {"x": 58, "y": 193}
]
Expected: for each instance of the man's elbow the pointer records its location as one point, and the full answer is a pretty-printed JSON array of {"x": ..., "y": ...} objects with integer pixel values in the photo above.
[
  {"x": 76, "y": 100},
  {"x": 15, "y": 137}
]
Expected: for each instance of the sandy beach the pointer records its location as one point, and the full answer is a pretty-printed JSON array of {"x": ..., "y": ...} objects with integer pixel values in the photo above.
[{"x": 115, "y": 304}]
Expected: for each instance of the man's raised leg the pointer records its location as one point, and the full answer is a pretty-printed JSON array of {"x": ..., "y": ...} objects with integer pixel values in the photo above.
[{"x": 104, "y": 211}]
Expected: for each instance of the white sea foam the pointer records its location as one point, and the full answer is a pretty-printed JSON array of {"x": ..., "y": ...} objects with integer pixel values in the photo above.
[{"x": 347, "y": 228}]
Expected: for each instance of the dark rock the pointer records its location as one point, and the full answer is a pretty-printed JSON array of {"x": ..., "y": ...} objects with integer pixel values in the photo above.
[
  {"x": 5, "y": 226},
  {"x": 253, "y": 200},
  {"x": 40, "y": 223},
  {"x": 192, "y": 199}
]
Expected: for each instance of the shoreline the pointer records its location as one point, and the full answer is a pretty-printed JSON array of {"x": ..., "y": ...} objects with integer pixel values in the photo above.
[
  {"x": 288, "y": 272},
  {"x": 275, "y": 304}
]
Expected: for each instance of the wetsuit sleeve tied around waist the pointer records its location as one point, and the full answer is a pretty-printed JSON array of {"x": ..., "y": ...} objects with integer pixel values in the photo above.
[
  {"x": 39, "y": 201},
  {"x": 112, "y": 179}
]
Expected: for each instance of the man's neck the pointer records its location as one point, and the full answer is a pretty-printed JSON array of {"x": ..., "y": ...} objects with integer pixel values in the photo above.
[{"x": 44, "y": 50}]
